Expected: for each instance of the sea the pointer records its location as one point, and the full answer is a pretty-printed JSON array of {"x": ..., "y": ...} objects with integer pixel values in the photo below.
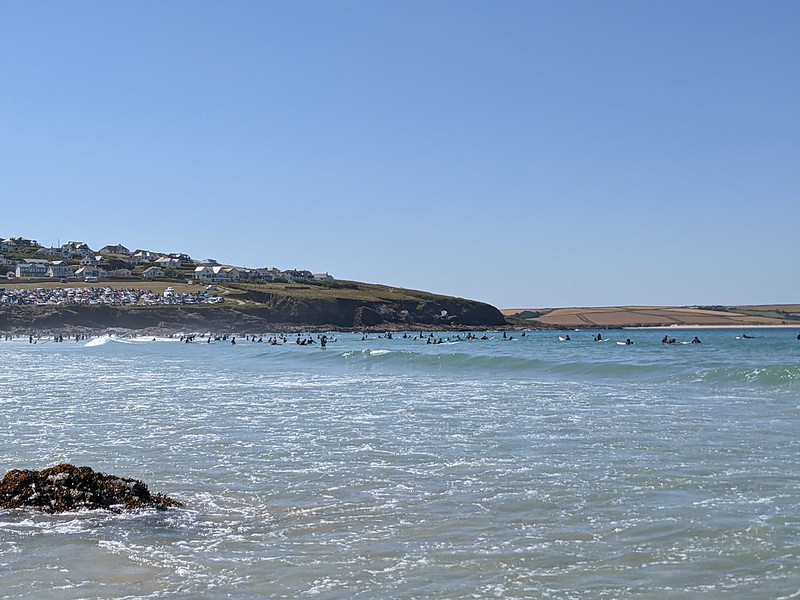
[{"x": 517, "y": 466}]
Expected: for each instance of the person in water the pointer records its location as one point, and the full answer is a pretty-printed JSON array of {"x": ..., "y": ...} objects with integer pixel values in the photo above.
[{"x": 696, "y": 340}]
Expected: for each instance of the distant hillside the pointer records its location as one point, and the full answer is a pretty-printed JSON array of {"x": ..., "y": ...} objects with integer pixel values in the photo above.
[{"x": 651, "y": 316}]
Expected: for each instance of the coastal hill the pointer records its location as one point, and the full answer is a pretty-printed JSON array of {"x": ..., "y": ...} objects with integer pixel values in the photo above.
[
  {"x": 73, "y": 288},
  {"x": 654, "y": 316},
  {"x": 243, "y": 307}
]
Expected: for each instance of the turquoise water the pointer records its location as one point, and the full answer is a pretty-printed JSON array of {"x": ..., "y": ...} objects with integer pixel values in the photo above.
[{"x": 529, "y": 468}]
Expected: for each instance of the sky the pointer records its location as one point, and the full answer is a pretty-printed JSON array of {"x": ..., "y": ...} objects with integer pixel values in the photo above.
[{"x": 528, "y": 154}]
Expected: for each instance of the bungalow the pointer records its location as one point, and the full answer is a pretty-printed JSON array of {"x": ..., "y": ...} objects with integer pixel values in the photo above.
[
  {"x": 153, "y": 273},
  {"x": 59, "y": 269},
  {"x": 31, "y": 269},
  {"x": 166, "y": 262}
]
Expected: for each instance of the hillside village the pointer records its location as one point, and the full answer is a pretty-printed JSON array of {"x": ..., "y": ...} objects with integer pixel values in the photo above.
[{"x": 25, "y": 259}]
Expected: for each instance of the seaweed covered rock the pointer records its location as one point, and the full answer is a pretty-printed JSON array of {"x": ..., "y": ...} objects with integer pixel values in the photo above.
[{"x": 67, "y": 487}]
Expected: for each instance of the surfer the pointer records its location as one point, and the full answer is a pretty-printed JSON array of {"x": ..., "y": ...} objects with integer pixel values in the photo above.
[{"x": 696, "y": 340}]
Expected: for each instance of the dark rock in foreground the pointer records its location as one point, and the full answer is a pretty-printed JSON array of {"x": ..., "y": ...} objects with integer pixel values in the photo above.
[{"x": 67, "y": 487}]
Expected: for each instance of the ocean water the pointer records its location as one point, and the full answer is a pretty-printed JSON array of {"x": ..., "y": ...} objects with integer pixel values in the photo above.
[{"x": 524, "y": 468}]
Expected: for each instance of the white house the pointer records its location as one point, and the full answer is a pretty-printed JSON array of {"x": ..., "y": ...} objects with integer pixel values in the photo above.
[
  {"x": 89, "y": 272},
  {"x": 233, "y": 273},
  {"x": 59, "y": 269},
  {"x": 77, "y": 248},
  {"x": 204, "y": 273},
  {"x": 153, "y": 273},
  {"x": 120, "y": 273},
  {"x": 166, "y": 262},
  {"x": 31, "y": 269},
  {"x": 322, "y": 277},
  {"x": 93, "y": 260},
  {"x": 145, "y": 256},
  {"x": 220, "y": 274}
]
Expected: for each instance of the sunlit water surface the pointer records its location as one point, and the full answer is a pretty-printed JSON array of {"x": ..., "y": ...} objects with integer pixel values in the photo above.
[{"x": 528, "y": 468}]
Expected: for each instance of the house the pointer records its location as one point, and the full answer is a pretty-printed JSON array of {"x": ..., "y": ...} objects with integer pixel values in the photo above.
[
  {"x": 220, "y": 274},
  {"x": 167, "y": 262},
  {"x": 89, "y": 272},
  {"x": 292, "y": 275},
  {"x": 59, "y": 269},
  {"x": 52, "y": 251},
  {"x": 7, "y": 262},
  {"x": 233, "y": 273},
  {"x": 204, "y": 273},
  {"x": 153, "y": 273},
  {"x": 262, "y": 275},
  {"x": 145, "y": 256},
  {"x": 93, "y": 260},
  {"x": 21, "y": 243},
  {"x": 184, "y": 258},
  {"x": 123, "y": 272},
  {"x": 115, "y": 249},
  {"x": 31, "y": 269},
  {"x": 79, "y": 248},
  {"x": 322, "y": 277}
]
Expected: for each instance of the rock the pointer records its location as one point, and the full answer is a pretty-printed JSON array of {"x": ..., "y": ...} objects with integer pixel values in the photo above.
[{"x": 67, "y": 487}]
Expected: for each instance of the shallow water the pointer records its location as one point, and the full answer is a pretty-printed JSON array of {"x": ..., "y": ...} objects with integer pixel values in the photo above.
[{"x": 396, "y": 469}]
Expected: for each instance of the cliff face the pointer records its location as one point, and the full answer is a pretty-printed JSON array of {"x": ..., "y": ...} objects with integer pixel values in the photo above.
[{"x": 273, "y": 314}]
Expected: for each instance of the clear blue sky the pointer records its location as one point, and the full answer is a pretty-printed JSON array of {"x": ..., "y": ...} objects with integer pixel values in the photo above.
[{"x": 528, "y": 154}]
